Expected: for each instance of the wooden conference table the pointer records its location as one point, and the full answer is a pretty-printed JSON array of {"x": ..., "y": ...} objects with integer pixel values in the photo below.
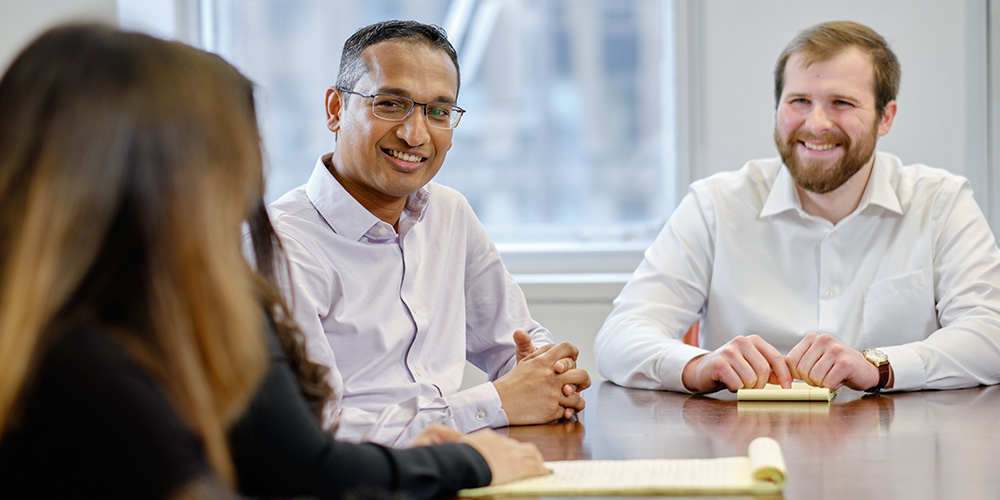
[{"x": 920, "y": 445}]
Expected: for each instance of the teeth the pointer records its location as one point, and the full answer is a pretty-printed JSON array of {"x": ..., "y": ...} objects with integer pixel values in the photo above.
[
  {"x": 818, "y": 147},
  {"x": 404, "y": 156}
]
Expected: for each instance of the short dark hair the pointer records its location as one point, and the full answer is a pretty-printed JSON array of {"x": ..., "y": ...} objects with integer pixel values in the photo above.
[
  {"x": 824, "y": 41},
  {"x": 352, "y": 65}
]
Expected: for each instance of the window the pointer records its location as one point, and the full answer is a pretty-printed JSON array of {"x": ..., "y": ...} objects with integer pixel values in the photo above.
[
  {"x": 567, "y": 140},
  {"x": 563, "y": 138}
]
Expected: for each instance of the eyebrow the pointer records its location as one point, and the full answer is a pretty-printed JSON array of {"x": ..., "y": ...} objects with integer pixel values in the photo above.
[
  {"x": 839, "y": 97},
  {"x": 404, "y": 93},
  {"x": 846, "y": 97}
]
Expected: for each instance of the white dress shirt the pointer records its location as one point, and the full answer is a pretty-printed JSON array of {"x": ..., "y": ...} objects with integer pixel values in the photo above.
[
  {"x": 395, "y": 316},
  {"x": 913, "y": 271}
]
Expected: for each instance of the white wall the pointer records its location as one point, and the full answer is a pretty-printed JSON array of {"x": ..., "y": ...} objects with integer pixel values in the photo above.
[
  {"x": 942, "y": 47},
  {"x": 22, "y": 20}
]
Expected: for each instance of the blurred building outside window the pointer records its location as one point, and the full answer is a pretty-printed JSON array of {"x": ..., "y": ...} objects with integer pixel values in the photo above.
[{"x": 565, "y": 153}]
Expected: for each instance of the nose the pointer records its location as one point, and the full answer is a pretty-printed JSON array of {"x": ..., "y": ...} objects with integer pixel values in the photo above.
[
  {"x": 818, "y": 120},
  {"x": 414, "y": 129}
]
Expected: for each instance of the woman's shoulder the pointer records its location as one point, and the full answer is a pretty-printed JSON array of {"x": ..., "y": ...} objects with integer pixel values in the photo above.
[
  {"x": 94, "y": 418},
  {"x": 88, "y": 348}
]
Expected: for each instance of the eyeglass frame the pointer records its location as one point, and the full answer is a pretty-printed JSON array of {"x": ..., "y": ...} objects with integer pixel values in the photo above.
[{"x": 454, "y": 107}]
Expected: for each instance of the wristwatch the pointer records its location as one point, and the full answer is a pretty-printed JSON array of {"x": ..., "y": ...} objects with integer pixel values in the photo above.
[{"x": 880, "y": 360}]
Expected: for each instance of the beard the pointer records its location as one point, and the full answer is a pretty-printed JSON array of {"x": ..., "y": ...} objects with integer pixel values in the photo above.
[{"x": 814, "y": 176}]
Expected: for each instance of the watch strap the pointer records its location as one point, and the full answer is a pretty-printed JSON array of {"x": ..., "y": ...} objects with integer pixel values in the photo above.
[{"x": 883, "y": 377}]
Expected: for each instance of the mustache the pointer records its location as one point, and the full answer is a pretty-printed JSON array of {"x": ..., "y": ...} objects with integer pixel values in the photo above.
[{"x": 829, "y": 137}]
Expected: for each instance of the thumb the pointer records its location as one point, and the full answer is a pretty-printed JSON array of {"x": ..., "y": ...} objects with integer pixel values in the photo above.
[{"x": 522, "y": 345}]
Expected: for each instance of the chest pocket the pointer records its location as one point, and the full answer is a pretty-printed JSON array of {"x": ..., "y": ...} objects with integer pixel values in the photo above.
[{"x": 898, "y": 310}]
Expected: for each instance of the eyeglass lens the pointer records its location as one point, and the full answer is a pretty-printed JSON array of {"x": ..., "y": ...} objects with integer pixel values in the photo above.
[{"x": 397, "y": 108}]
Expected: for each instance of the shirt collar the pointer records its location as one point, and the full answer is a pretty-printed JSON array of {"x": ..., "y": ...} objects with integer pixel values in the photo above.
[
  {"x": 782, "y": 196},
  {"x": 346, "y": 216},
  {"x": 413, "y": 212},
  {"x": 879, "y": 191}
]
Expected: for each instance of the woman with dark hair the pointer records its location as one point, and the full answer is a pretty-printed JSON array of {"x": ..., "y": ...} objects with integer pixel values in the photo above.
[{"x": 134, "y": 354}]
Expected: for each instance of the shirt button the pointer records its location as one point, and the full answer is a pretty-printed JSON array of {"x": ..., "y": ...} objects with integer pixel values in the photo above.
[
  {"x": 480, "y": 415},
  {"x": 828, "y": 294},
  {"x": 419, "y": 372},
  {"x": 382, "y": 231}
]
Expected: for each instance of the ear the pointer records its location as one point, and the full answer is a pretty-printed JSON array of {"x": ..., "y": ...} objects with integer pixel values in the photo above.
[
  {"x": 885, "y": 121},
  {"x": 334, "y": 106}
]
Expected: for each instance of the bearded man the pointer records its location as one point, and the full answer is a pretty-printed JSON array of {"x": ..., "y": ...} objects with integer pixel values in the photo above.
[{"x": 834, "y": 264}]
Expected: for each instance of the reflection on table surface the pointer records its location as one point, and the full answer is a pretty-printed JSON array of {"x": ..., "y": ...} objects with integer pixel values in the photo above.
[{"x": 928, "y": 444}]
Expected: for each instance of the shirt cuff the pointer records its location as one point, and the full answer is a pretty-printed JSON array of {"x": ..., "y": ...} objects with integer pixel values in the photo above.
[
  {"x": 672, "y": 369},
  {"x": 477, "y": 408},
  {"x": 907, "y": 368}
]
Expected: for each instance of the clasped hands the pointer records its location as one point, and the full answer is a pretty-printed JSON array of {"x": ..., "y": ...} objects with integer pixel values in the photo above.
[
  {"x": 545, "y": 384},
  {"x": 750, "y": 362}
]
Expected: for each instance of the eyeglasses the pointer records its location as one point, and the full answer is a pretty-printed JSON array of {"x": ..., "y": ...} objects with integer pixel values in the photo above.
[{"x": 397, "y": 108}]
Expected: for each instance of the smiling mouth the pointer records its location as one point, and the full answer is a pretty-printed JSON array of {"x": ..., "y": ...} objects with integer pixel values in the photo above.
[
  {"x": 812, "y": 146},
  {"x": 399, "y": 155}
]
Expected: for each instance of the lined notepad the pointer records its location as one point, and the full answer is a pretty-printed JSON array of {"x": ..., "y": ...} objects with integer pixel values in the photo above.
[
  {"x": 762, "y": 471},
  {"x": 800, "y": 391}
]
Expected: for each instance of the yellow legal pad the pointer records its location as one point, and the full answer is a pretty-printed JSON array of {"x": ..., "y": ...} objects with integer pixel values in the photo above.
[
  {"x": 800, "y": 391},
  {"x": 762, "y": 471}
]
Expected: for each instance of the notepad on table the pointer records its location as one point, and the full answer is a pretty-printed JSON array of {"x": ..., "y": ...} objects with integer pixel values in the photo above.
[
  {"x": 762, "y": 471},
  {"x": 800, "y": 391}
]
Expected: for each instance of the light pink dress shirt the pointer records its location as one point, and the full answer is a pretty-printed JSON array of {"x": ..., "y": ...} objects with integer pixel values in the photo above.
[{"x": 396, "y": 316}]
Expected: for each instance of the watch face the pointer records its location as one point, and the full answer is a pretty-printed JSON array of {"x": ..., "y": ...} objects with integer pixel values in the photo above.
[{"x": 876, "y": 356}]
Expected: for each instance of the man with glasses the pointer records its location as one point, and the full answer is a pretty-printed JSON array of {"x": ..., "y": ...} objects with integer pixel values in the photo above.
[
  {"x": 834, "y": 264},
  {"x": 394, "y": 281}
]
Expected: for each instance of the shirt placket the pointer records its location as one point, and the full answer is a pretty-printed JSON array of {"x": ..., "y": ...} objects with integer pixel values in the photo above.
[
  {"x": 410, "y": 296},
  {"x": 383, "y": 233},
  {"x": 831, "y": 282}
]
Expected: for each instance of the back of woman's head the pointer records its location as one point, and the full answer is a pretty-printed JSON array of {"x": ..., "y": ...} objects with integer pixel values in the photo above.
[{"x": 129, "y": 163}]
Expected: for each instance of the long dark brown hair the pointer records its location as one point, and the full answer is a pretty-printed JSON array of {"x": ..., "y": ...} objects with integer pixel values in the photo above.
[
  {"x": 272, "y": 266},
  {"x": 128, "y": 166}
]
